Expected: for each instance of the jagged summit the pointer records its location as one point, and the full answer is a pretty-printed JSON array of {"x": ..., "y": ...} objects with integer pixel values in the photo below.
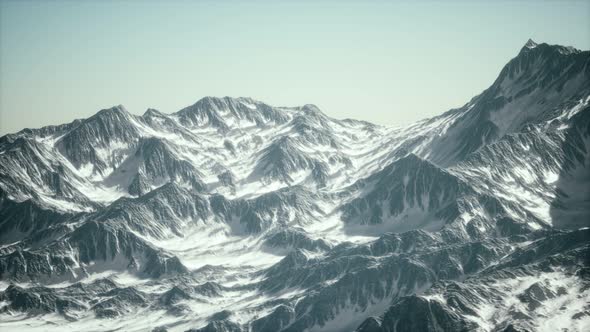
[
  {"x": 530, "y": 44},
  {"x": 227, "y": 113},
  {"x": 118, "y": 109},
  {"x": 220, "y": 104},
  {"x": 152, "y": 112},
  {"x": 544, "y": 48}
]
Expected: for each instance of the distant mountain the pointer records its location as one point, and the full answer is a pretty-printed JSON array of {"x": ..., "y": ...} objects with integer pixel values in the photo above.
[{"x": 234, "y": 215}]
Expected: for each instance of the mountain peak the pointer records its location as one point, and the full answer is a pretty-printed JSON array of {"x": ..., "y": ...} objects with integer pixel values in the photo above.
[
  {"x": 530, "y": 44},
  {"x": 152, "y": 112},
  {"x": 115, "y": 111},
  {"x": 213, "y": 104},
  {"x": 544, "y": 48},
  {"x": 212, "y": 100}
]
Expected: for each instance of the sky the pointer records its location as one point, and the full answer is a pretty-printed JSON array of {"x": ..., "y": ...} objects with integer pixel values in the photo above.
[{"x": 390, "y": 63}]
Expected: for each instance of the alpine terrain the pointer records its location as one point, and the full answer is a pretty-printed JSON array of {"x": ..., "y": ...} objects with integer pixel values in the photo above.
[{"x": 234, "y": 215}]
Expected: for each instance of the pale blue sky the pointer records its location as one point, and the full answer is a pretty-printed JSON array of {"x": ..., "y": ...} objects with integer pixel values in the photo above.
[{"x": 389, "y": 63}]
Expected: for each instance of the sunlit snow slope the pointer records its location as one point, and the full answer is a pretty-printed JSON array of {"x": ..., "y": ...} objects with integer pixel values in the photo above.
[{"x": 234, "y": 215}]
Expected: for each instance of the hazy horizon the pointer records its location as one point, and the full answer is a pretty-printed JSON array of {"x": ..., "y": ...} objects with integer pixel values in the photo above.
[{"x": 387, "y": 63}]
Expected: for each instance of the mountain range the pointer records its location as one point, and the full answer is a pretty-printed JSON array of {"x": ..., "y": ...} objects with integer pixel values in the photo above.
[{"x": 233, "y": 215}]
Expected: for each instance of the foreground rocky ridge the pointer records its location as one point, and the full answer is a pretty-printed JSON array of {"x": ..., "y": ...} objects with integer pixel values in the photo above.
[{"x": 233, "y": 215}]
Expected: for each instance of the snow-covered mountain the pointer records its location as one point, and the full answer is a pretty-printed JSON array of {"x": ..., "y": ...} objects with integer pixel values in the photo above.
[{"x": 234, "y": 215}]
